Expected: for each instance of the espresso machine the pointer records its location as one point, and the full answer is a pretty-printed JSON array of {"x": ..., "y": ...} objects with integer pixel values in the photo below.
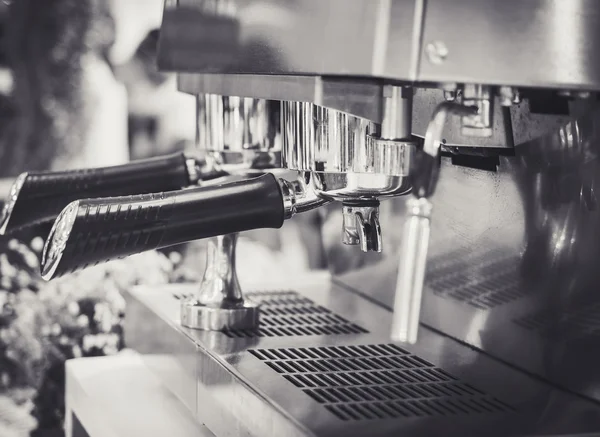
[{"x": 455, "y": 143}]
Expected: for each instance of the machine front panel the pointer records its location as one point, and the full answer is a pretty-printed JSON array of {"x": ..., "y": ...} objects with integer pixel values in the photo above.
[
  {"x": 512, "y": 268},
  {"x": 289, "y": 379}
]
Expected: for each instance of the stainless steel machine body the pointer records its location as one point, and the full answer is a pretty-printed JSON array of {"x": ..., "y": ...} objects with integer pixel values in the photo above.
[
  {"x": 321, "y": 364},
  {"x": 239, "y": 134},
  {"x": 512, "y": 269},
  {"x": 509, "y": 313},
  {"x": 409, "y": 40}
]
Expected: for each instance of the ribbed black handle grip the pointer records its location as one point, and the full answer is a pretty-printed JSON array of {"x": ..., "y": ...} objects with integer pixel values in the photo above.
[
  {"x": 38, "y": 197},
  {"x": 91, "y": 231}
]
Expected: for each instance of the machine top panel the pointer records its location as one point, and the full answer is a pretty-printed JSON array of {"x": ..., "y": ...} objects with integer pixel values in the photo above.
[{"x": 474, "y": 41}]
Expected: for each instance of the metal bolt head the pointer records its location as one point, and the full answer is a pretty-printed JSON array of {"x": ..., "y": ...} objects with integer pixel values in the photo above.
[
  {"x": 517, "y": 97},
  {"x": 449, "y": 86},
  {"x": 575, "y": 94},
  {"x": 507, "y": 95},
  {"x": 437, "y": 52},
  {"x": 583, "y": 94},
  {"x": 450, "y": 96}
]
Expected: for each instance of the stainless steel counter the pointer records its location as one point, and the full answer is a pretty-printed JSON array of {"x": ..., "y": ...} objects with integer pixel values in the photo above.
[
  {"x": 298, "y": 376},
  {"x": 118, "y": 396}
]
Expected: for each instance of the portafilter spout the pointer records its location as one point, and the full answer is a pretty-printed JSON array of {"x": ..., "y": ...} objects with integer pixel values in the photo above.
[
  {"x": 415, "y": 238},
  {"x": 353, "y": 160}
]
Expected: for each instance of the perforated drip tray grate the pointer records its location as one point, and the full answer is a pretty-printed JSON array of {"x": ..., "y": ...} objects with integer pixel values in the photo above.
[
  {"x": 481, "y": 279},
  {"x": 181, "y": 295},
  {"x": 287, "y": 313},
  {"x": 382, "y": 381},
  {"x": 569, "y": 325}
]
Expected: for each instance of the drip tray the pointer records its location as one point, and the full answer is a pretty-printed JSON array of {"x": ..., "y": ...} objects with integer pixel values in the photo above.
[
  {"x": 371, "y": 382},
  {"x": 321, "y": 364},
  {"x": 287, "y": 313}
]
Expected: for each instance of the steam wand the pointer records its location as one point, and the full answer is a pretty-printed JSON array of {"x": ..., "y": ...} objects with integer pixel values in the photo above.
[{"x": 415, "y": 238}]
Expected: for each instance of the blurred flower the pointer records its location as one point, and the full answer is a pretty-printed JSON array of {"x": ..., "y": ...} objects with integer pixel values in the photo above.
[
  {"x": 73, "y": 308},
  {"x": 15, "y": 419},
  {"x": 37, "y": 244},
  {"x": 42, "y": 324}
]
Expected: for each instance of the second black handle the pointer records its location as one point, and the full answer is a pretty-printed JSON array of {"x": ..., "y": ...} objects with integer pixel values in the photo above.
[
  {"x": 97, "y": 230},
  {"x": 38, "y": 197}
]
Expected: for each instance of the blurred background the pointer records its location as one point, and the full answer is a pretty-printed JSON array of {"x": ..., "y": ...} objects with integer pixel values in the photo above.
[{"x": 79, "y": 88}]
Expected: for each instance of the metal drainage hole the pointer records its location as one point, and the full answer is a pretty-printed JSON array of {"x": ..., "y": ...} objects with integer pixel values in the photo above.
[
  {"x": 287, "y": 314},
  {"x": 573, "y": 324},
  {"x": 484, "y": 281},
  {"x": 374, "y": 382}
]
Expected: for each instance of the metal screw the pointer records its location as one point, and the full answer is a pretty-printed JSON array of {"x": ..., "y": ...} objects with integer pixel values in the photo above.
[
  {"x": 517, "y": 97},
  {"x": 509, "y": 96},
  {"x": 437, "y": 52},
  {"x": 449, "y": 86},
  {"x": 450, "y": 96},
  {"x": 575, "y": 94}
]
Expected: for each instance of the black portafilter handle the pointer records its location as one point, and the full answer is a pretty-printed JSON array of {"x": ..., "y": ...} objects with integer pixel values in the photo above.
[
  {"x": 38, "y": 197},
  {"x": 92, "y": 231}
]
